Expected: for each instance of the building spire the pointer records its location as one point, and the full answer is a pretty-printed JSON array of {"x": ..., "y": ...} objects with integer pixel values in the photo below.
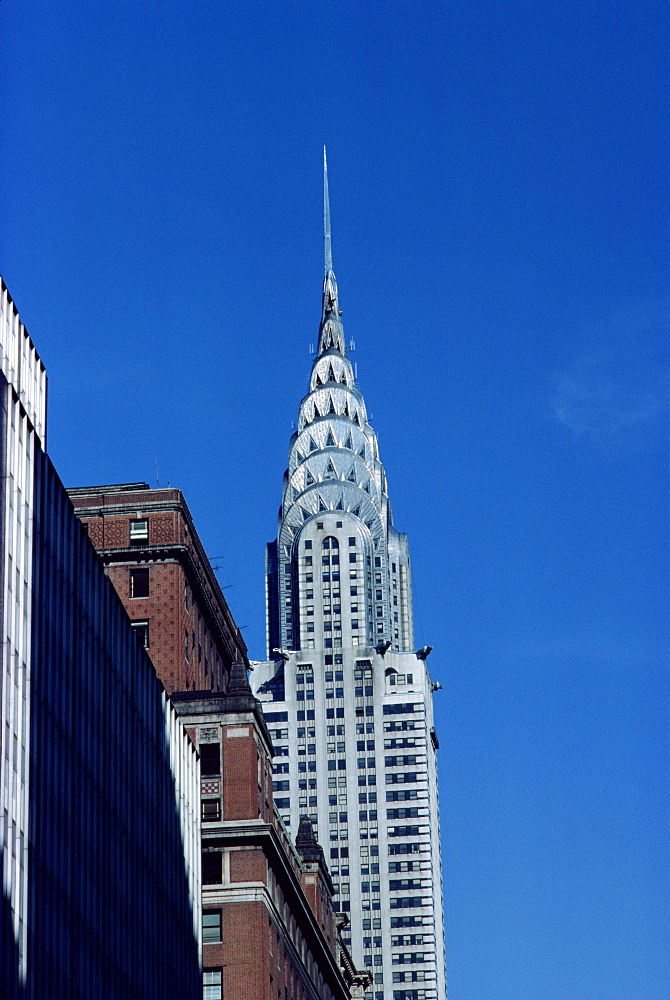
[
  {"x": 331, "y": 334},
  {"x": 327, "y": 243}
]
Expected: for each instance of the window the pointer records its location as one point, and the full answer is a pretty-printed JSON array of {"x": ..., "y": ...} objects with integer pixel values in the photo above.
[
  {"x": 139, "y": 583},
  {"x": 212, "y": 984},
  {"x": 139, "y": 531},
  {"x": 211, "y": 867},
  {"x": 308, "y": 544},
  {"x": 210, "y": 758},
  {"x": 141, "y": 630},
  {"x": 211, "y": 810},
  {"x": 211, "y": 926}
]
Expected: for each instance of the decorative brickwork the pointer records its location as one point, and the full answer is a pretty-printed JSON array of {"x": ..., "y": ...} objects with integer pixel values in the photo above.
[
  {"x": 116, "y": 532},
  {"x": 161, "y": 530},
  {"x": 96, "y": 533}
]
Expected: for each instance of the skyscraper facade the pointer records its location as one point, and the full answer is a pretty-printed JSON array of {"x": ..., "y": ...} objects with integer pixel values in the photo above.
[
  {"x": 99, "y": 829},
  {"x": 347, "y": 696}
]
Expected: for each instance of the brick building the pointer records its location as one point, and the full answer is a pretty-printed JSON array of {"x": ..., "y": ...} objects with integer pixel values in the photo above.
[
  {"x": 159, "y": 569},
  {"x": 269, "y": 928}
]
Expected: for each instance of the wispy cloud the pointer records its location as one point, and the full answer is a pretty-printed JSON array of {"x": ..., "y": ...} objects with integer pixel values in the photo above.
[{"x": 617, "y": 397}]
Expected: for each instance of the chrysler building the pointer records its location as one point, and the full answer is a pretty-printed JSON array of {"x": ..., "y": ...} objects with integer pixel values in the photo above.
[{"x": 346, "y": 694}]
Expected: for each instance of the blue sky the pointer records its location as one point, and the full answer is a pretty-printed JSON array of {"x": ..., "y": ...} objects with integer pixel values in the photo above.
[{"x": 499, "y": 208}]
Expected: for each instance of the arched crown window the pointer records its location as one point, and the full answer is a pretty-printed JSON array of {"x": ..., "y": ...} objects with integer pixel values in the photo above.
[{"x": 330, "y": 543}]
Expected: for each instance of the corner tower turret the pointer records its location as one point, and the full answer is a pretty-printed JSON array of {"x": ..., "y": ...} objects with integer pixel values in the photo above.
[{"x": 338, "y": 572}]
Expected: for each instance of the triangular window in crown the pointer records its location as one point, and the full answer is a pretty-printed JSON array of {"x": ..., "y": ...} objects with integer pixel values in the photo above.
[
  {"x": 366, "y": 487},
  {"x": 361, "y": 451},
  {"x": 331, "y": 408},
  {"x": 343, "y": 377},
  {"x": 312, "y": 444},
  {"x": 331, "y": 373},
  {"x": 316, "y": 412},
  {"x": 346, "y": 407},
  {"x": 349, "y": 443},
  {"x": 368, "y": 524},
  {"x": 352, "y": 475},
  {"x": 309, "y": 478},
  {"x": 339, "y": 505},
  {"x": 318, "y": 380},
  {"x": 330, "y": 440},
  {"x": 331, "y": 472},
  {"x": 356, "y": 511},
  {"x": 305, "y": 513},
  {"x": 357, "y": 418},
  {"x": 300, "y": 457},
  {"x": 322, "y": 505}
]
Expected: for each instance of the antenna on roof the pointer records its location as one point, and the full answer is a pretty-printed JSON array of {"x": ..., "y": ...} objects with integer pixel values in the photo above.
[
  {"x": 156, "y": 464},
  {"x": 328, "y": 253}
]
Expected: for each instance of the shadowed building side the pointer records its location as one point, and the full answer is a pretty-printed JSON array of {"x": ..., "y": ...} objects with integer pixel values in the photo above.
[{"x": 99, "y": 781}]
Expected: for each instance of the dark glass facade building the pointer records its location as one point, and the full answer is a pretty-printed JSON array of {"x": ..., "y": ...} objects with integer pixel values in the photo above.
[{"x": 99, "y": 783}]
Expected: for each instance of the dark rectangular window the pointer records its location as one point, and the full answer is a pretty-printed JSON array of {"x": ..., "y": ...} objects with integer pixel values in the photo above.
[
  {"x": 210, "y": 759},
  {"x": 141, "y": 630},
  {"x": 139, "y": 583},
  {"x": 211, "y": 867},
  {"x": 211, "y": 810},
  {"x": 211, "y": 926}
]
